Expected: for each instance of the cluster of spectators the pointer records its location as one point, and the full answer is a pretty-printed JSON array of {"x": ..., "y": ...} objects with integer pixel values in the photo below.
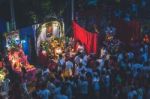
[{"x": 123, "y": 73}]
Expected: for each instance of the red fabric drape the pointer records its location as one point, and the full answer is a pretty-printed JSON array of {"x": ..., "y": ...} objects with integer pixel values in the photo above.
[
  {"x": 95, "y": 43},
  {"x": 89, "y": 39}
]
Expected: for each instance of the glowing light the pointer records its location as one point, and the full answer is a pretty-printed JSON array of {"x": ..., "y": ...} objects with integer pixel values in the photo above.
[
  {"x": 58, "y": 51},
  {"x": 23, "y": 41},
  {"x": 44, "y": 52},
  {"x": 13, "y": 61}
]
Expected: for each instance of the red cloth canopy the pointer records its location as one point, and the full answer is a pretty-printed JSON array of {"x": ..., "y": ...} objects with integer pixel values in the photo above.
[{"x": 89, "y": 39}]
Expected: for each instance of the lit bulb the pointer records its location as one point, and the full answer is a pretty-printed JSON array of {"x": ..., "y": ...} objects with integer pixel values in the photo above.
[{"x": 44, "y": 52}]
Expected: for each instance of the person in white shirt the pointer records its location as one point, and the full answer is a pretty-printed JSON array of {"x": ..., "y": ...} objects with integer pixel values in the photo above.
[
  {"x": 144, "y": 57},
  {"x": 103, "y": 52},
  {"x": 80, "y": 47},
  {"x": 107, "y": 56},
  {"x": 77, "y": 60},
  {"x": 51, "y": 87},
  {"x": 61, "y": 62},
  {"x": 140, "y": 93},
  {"x": 85, "y": 57},
  {"x": 44, "y": 93},
  {"x": 60, "y": 94},
  {"x": 96, "y": 85},
  {"x": 132, "y": 94},
  {"x": 82, "y": 61},
  {"x": 68, "y": 89},
  {"x": 69, "y": 67},
  {"x": 106, "y": 80},
  {"x": 79, "y": 69},
  {"x": 130, "y": 55},
  {"x": 120, "y": 57},
  {"x": 145, "y": 53},
  {"x": 101, "y": 63},
  {"x": 83, "y": 85},
  {"x": 110, "y": 30},
  {"x": 135, "y": 67}
]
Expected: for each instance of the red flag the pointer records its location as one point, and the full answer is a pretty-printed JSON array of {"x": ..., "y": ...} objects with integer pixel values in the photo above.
[{"x": 89, "y": 39}]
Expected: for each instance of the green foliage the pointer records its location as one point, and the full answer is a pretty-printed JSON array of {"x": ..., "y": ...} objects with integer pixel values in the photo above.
[{"x": 45, "y": 45}]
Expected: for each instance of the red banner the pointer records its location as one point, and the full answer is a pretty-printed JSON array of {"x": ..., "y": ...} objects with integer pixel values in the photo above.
[{"x": 89, "y": 39}]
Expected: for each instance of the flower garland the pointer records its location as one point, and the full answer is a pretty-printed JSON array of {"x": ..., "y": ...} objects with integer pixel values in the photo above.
[{"x": 50, "y": 46}]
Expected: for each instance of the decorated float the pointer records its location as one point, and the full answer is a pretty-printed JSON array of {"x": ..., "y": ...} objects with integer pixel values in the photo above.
[
  {"x": 2, "y": 74},
  {"x": 50, "y": 40},
  {"x": 15, "y": 53},
  {"x": 2, "y": 69}
]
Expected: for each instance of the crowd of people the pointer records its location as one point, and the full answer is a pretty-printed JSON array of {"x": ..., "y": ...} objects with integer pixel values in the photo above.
[{"x": 117, "y": 72}]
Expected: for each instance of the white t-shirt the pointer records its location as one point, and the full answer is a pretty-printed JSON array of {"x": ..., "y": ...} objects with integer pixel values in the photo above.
[
  {"x": 80, "y": 48},
  {"x": 96, "y": 84},
  {"x": 146, "y": 48},
  {"x": 69, "y": 65},
  {"x": 145, "y": 57},
  {"x": 107, "y": 80},
  {"x": 135, "y": 67},
  {"x": 140, "y": 93},
  {"x": 77, "y": 59},
  {"x": 107, "y": 56},
  {"x": 44, "y": 94},
  {"x": 82, "y": 68},
  {"x": 85, "y": 58},
  {"x": 46, "y": 71},
  {"x": 79, "y": 73},
  {"x": 57, "y": 90},
  {"x": 90, "y": 70},
  {"x": 103, "y": 52},
  {"x": 61, "y": 61},
  {"x": 101, "y": 64},
  {"x": 131, "y": 94},
  {"x": 51, "y": 87},
  {"x": 130, "y": 55},
  {"x": 84, "y": 63},
  {"x": 69, "y": 91},
  {"x": 120, "y": 57},
  {"x": 84, "y": 87}
]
